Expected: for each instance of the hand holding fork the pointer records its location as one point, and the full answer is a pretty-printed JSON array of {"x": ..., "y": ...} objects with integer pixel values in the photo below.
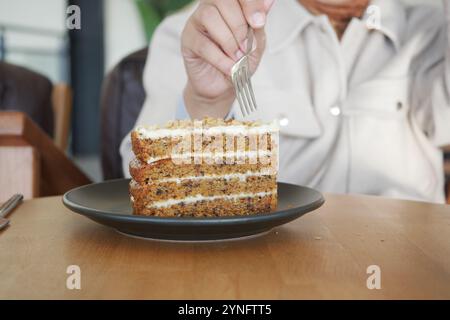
[{"x": 218, "y": 55}]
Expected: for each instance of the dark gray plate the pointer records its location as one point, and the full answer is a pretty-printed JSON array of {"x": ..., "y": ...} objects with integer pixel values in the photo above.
[{"x": 108, "y": 203}]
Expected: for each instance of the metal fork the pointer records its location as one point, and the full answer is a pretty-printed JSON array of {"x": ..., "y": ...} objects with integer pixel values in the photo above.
[{"x": 240, "y": 75}]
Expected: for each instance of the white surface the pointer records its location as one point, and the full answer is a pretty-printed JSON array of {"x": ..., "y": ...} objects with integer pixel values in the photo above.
[
  {"x": 43, "y": 14},
  {"x": 47, "y": 14},
  {"x": 124, "y": 31}
]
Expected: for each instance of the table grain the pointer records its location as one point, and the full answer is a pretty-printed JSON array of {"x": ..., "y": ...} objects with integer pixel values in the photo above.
[{"x": 323, "y": 255}]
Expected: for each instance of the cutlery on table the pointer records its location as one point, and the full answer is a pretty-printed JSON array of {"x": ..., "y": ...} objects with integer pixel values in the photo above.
[
  {"x": 240, "y": 75},
  {"x": 7, "y": 207}
]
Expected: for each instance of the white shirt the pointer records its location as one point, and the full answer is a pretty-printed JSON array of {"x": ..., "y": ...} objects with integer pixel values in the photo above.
[{"x": 366, "y": 114}]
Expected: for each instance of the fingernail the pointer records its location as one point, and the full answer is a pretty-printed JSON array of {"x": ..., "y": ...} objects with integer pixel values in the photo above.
[
  {"x": 258, "y": 19},
  {"x": 268, "y": 4},
  {"x": 239, "y": 54}
]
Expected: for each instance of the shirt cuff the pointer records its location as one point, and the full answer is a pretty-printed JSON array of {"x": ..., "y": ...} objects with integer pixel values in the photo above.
[{"x": 182, "y": 114}]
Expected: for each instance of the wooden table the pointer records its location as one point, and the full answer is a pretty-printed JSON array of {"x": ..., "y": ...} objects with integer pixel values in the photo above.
[{"x": 324, "y": 254}]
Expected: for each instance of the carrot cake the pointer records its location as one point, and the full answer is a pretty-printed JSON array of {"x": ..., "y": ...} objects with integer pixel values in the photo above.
[{"x": 201, "y": 168}]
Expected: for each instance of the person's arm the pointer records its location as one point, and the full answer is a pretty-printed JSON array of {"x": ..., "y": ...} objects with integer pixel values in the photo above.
[
  {"x": 163, "y": 79},
  {"x": 183, "y": 114},
  {"x": 213, "y": 40},
  {"x": 214, "y": 33},
  {"x": 431, "y": 95}
]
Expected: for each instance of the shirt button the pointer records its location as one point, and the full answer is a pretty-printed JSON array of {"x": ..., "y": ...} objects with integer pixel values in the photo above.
[
  {"x": 335, "y": 111},
  {"x": 283, "y": 121}
]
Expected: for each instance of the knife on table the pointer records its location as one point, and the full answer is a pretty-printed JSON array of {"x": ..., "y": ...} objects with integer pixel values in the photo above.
[{"x": 7, "y": 207}]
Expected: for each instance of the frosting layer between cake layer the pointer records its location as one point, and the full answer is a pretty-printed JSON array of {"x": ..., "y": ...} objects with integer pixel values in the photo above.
[{"x": 199, "y": 198}]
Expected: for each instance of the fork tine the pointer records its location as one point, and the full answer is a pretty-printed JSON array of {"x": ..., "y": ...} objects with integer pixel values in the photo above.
[
  {"x": 244, "y": 95},
  {"x": 250, "y": 89},
  {"x": 238, "y": 93},
  {"x": 240, "y": 77},
  {"x": 246, "y": 90}
]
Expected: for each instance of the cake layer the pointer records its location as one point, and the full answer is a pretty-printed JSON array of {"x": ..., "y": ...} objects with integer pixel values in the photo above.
[
  {"x": 217, "y": 207},
  {"x": 149, "y": 150},
  {"x": 208, "y": 186},
  {"x": 212, "y": 167},
  {"x": 164, "y": 169},
  {"x": 208, "y": 126},
  {"x": 206, "y": 136}
]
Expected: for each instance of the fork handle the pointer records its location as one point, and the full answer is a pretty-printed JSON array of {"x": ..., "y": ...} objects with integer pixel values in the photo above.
[
  {"x": 250, "y": 36},
  {"x": 9, "y": 205}
]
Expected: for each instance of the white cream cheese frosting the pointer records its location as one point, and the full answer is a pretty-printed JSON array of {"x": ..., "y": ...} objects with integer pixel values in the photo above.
[
  {"x": 241, "y": 176},
  {"x": 159, "y": 133}
]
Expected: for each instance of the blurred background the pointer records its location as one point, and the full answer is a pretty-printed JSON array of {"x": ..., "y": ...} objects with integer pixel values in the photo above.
[{"x": 33, "y": 34}]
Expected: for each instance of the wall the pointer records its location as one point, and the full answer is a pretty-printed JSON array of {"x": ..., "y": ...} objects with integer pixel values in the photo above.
[
  {"x": 123, "y": 31},
  {"x": 48, "y": 14},
  {"x": 42, "y": 50}
]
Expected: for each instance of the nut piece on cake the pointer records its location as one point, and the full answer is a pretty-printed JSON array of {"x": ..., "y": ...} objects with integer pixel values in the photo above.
[{"x": 209, "y": 167}]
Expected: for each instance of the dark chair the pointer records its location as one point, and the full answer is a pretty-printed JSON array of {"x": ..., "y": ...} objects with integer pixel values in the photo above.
[
  {"x": 447, "y": 170},
  {"x": 29, "y": 92},
  {"x": 121, "y": 101},
  {"x": 48, "y": 105},
  {"x": 32, "y": 112}
]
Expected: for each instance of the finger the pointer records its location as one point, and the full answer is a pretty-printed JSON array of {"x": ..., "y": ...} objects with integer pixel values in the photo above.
[
  {"x": 205, "y": 48},
  {"x": 260, "y": 41},
  {"x": 260, "y": 45},
  {"x": 233, "y": 16},
  {"x": 255, "y": 11},
  {"x": 208, "y": 19}
]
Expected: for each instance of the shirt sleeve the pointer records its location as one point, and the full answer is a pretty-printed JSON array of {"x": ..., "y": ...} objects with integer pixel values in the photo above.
[
  {"x": 127, "y": 155},
  {"x": 163, "y": 79},
  {"x": 182, "y": 114},
  {"x": 432, "y": 109}
]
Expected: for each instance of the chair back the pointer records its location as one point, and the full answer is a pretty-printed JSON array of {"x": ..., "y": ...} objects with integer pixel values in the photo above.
[
  {"x": 122, "y": 98},
  {"x": 29, "y": 92}
]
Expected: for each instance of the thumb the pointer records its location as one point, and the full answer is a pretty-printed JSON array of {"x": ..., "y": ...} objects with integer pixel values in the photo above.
[{"x": 259, "y": 46}]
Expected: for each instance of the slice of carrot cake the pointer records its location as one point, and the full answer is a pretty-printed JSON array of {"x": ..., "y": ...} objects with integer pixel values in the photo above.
[{"x": 212, "y": 167}]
